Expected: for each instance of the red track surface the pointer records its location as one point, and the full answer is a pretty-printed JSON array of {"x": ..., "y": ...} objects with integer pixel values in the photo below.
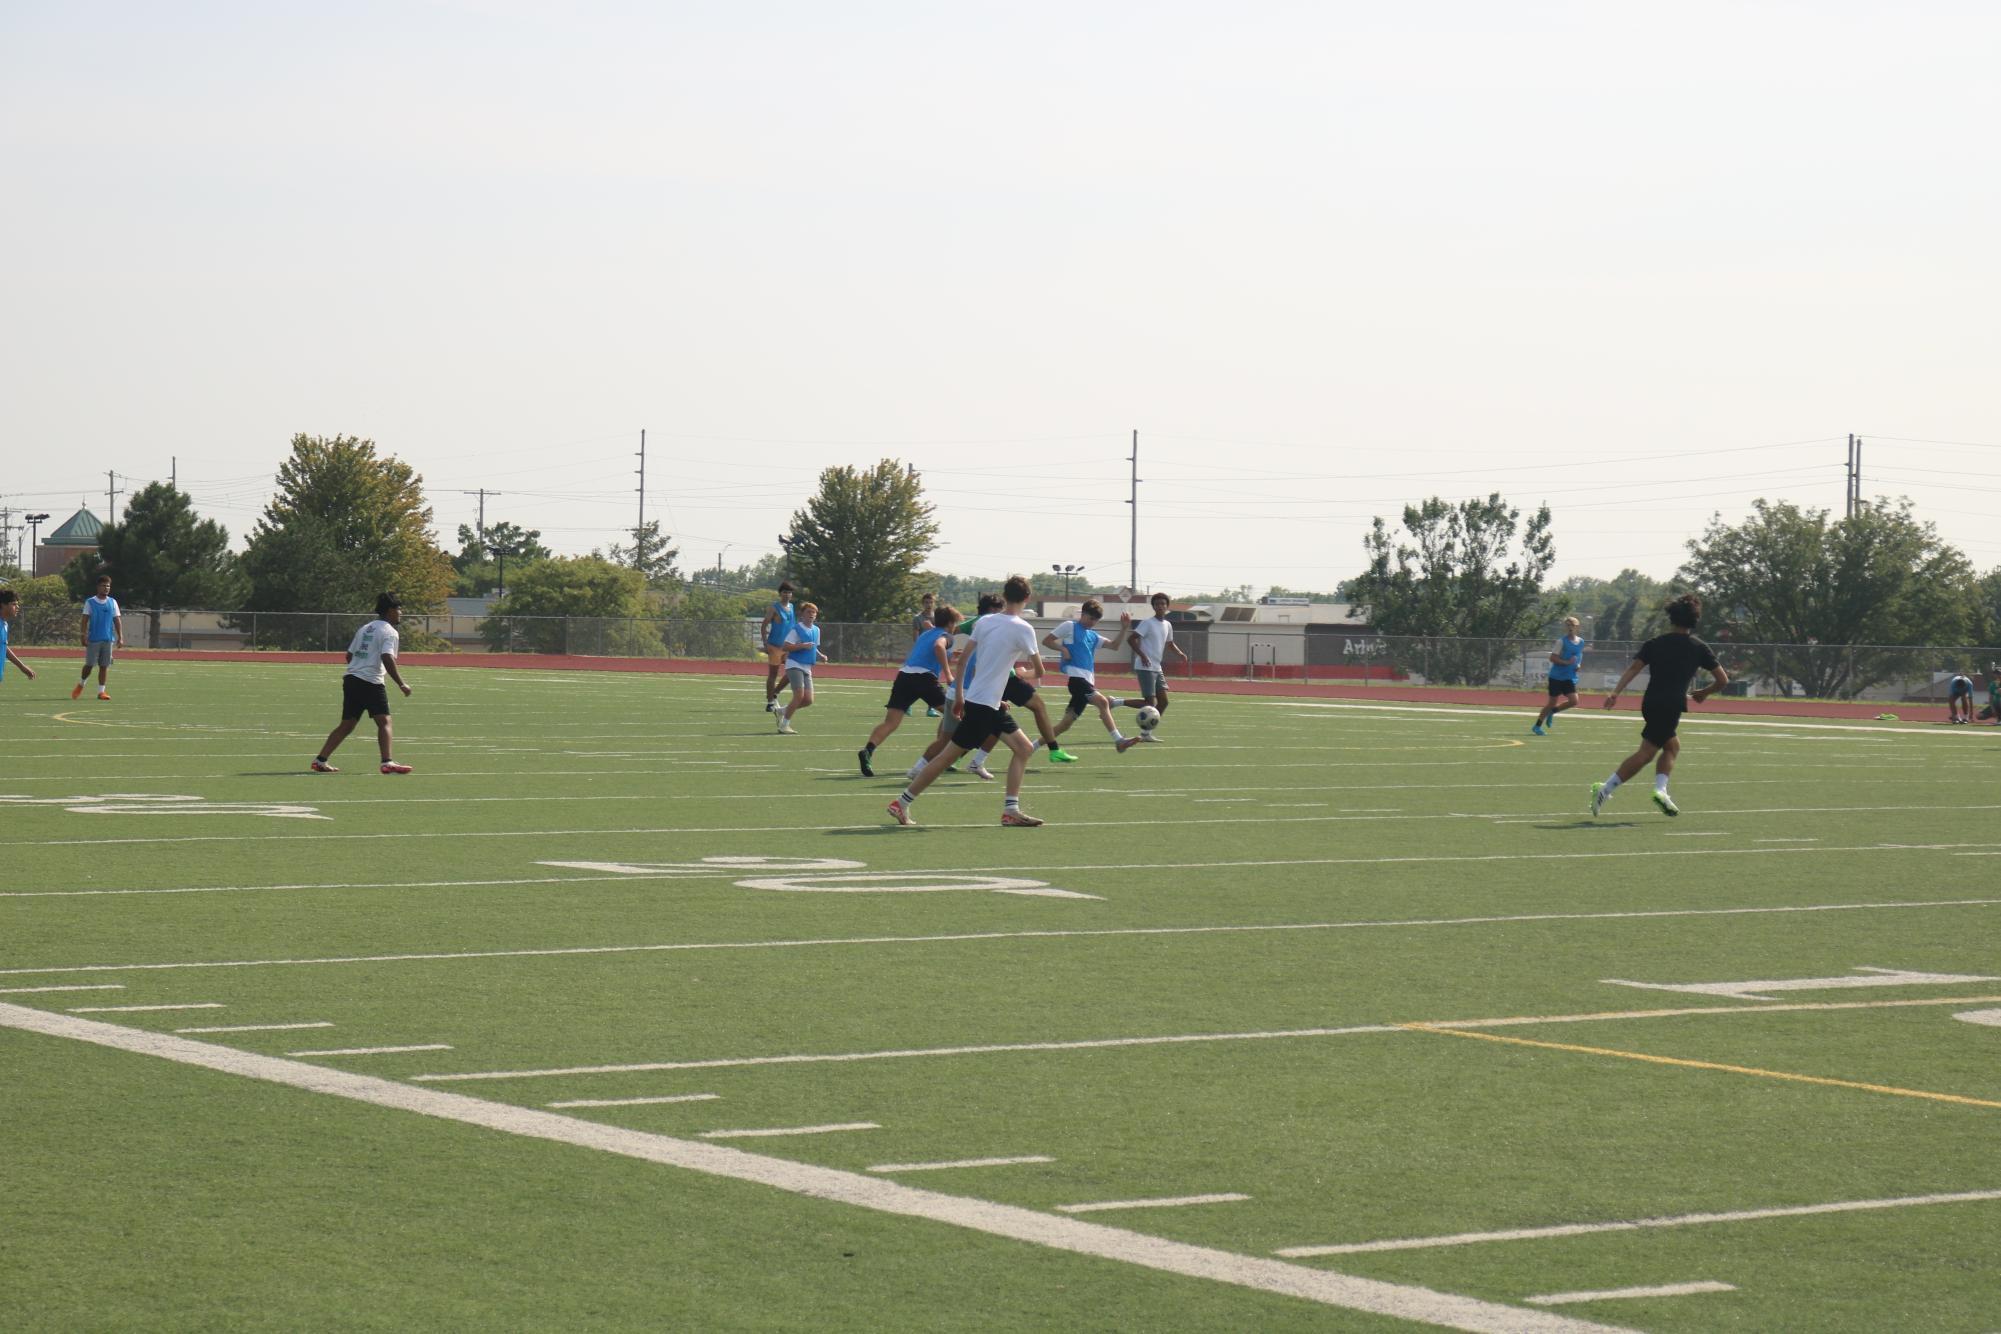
[{"x": 1526, "y": 700}]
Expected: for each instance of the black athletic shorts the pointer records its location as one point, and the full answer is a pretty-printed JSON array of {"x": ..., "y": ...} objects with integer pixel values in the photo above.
[
  {"x": 981, "y": 722},
  {"x": 1080, "y": 694},
  {"x": 1017, "y": 691},
  {"x": 358, "y": 697},
  {"x": 1659, "y": 721},
  {"x": 1558, "y": 687},
  {"x": 909, "y": 687}
]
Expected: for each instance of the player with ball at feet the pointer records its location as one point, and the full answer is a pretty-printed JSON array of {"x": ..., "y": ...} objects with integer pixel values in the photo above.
[{"x": 1673, "y": 659}]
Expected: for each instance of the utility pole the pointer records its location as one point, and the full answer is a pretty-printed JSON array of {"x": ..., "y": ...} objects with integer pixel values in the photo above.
[
  {"x": 642, "y": 485},
  {"x": 482, "y": 493},
  {"x": 7, "y": 531},
  {"x": 1133, "y": 577},
  {"x": 111, "y": 493},
  {"x": 174, "y": 471},
  {"x": 1854, "y": 475}
]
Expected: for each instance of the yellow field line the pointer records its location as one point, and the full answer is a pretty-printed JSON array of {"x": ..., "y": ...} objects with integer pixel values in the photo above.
[{"x": 1708, "y": 1065}]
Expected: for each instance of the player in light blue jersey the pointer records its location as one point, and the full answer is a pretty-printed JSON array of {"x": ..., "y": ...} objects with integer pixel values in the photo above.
[
  {"x": 778, "y": 620},
  {"x": 925, "y": 675},
  {"x": 1077, "y": 643},
  {"x": 10, "y": 607},
  {"x": 802, "y": 650},
  {"x": 102, "y": 629},
  {"x": 1563, "y": 665}
]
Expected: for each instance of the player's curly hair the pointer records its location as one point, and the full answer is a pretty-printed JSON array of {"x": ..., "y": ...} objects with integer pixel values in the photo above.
[{"x": 1685, "y": 611}]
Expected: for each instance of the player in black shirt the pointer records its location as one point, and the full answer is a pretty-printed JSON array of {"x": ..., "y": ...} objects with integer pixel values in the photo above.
[{"x": 1673, "y": 659}]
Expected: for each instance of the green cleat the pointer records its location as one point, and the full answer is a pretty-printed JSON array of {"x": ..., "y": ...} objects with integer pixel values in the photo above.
[
  {"x": 1061, "y": 756},
  {"x": 1597, "y": 799},
  {"x": 1666, "y": 803}
]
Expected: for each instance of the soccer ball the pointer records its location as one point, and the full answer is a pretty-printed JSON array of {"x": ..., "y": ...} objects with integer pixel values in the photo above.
[{"x": 1149, "y": 718}]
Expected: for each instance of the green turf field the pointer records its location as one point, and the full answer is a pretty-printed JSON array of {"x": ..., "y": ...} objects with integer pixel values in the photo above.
[{"x": 1335, "y": 1004}]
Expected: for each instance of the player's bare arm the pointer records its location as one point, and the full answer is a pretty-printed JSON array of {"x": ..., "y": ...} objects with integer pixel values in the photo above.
[
  {"x": 26, "y": 670},
  {"x": 389, "y": 666},
  {"x": 1633, "y": 669},
  {"x": 1718, "y": 679}
]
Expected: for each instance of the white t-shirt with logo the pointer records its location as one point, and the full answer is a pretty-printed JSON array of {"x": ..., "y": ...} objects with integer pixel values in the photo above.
[
  {"x": 372, "y": 643},
  {"x": 999, "y": 641},
  {"x": 1154, "y": 634}
]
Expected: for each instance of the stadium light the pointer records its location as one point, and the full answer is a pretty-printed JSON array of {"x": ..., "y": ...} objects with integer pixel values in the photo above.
[{"x": 1067, "y": 571}]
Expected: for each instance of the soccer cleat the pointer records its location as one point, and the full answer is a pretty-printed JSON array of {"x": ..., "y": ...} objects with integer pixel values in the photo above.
[
  {"x": 868, "y": 771},
  {"x": 1666, "y": 803},
  {"x": 1019, "y": 820},
  {"x": 1597, "y": 798},
  {"x": 979, "y": 770},
  {"x": 1550, "y": 726},
  {"x": 785, "y": 726},
  {"x": 1060, "y": 756},
  {"x": 322, "y": 767},
  {"x": 901, "y": 812},
  {"x": 1537, "y": 729},
  {"x": 931, "y": 713},
  {"x": 104, "y": 694},
  {"x": 1151, "y": 739},
  {"x": 1126, "y": 743},
  {"x": 391, "y": 767},
  {"x": 77, "y": 692},
  {"x": 771, "y": 706}
]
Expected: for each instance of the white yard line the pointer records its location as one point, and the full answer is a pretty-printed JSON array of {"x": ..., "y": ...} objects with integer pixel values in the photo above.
[
  {"x": 1621, "y": 1294},
  {"x": 134, "y": 1009},
  {"x": 966, "y": 937},
  {"x": 373, "y": 1051},
  {"x": 1160, "y": 1040},
  {"x": 255, "y": 1028},
  {"x": 73, "y": 986},
  {"x": 777, "y": 1132},
  {"x": 1164, "y": 1202},
  {"x": 1396, "y": 1300},
  {"x": 1638, "y": 1224},
  {"x": 1495, "y": 710},
  {"x": 963, "y": 1162},
  {"x": 635, "y": 1102}
]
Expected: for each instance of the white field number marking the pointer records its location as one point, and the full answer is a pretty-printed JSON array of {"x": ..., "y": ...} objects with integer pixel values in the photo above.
[
  {"x": 156, "y": 803},
  {"x": 829, "y": 875},
  {"x": 1617, "y": 1294},
  {"x": 1991, "y": 1018},
  {"x": 713, "y": 865},
  {"x": 1868, "y": 977}
]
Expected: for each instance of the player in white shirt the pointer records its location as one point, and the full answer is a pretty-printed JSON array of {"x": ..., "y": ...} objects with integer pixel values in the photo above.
[
  {"x": 1152, "y": 638},
  {"x": 369, "y": 658},
  {"x": 1000, "y": 640}
]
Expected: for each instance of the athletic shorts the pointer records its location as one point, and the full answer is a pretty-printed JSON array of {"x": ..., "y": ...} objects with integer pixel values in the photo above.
[
  {"x": 799, "y": 678},
  {"x": 1558, "y": 687},
  {"x": 97, "y": 653},
  {"x": 1017, "y": 692},
  {"x": 906, "y": 688},
  {"x": 358, "y": 697},
  {"x": 981, "y": 722},
  {"x": 1080, "y": 694},
  {"x": 1957, "y": 689},
  {"x": 1659, "y": 722},
  {"x": 1151, "y": 684}
]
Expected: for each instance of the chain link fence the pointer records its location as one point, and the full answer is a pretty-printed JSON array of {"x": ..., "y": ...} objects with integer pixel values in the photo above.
[{"x": 1242, "y": 651}]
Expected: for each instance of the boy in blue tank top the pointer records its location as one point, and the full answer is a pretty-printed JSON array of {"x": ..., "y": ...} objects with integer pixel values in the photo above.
[
  {"x": 802, "y": 649},
  {"x": 10, "y": 607},
  {"x": 925, "y": 675},
  {"x": 778, "y": 620},
  {"x": 1563, "y": 665},
  {"x": 1077, "y": 643}
]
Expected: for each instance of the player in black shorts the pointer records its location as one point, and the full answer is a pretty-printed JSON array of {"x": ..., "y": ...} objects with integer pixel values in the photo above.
[
  {"x": 1673, "y": 659},
  {"x": 918, "y": 679}
]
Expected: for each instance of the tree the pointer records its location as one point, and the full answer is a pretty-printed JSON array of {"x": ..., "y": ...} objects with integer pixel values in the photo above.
[
  {"x": 859, "y": 543},
  {"x": 48, "y": 613},
  {"x": 1825, "y": 586},
  {"x": 1988, "y": 594},
  {"x": 1451, "y": 574},
  {"x": 649, "y": 554},
  {"x": 575, "y": 604},
  {"x": 711, "y": 623},
  {"x": 1623, "y": 609},
  {"x": 344, "y": 526},
  {"x": 478, "y": 565},
  {"x": 162, "y": 556}
]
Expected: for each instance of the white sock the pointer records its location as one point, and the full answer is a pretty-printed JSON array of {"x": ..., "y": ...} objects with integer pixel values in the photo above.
[
  {"x": 1660, "y": 782},
  {"x": 1612, "y": 783}
]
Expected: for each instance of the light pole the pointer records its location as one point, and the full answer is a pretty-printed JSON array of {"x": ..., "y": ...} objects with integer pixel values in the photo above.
[
  {"x": 1068, "y": 572},
  {"x": 501, "y": 553},
  {"x": 34, "y": 522}
]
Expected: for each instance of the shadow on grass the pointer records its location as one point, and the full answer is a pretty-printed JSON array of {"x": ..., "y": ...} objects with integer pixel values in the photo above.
[
  {"x": 870, "y": 831},
  {"x": 1591, "y": 824}
]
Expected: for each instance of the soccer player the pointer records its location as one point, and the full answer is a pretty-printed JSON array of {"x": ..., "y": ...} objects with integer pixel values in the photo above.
[
  {"x": 1673, "y": 659},
  {"x": 101, "y": 629},
  {"x": 778, "y": 620},
  {"x": 929, "y": 659},
  {"x": 920, "y": 624},
  {"x": 949, "y": 723},
  {"x": 1151, "y": 640},
  {"x": 1563, "y": 665},
  {"x": 1077, "y": 643},
  {"x": 10, "y": 607},
  {"x": 1959, "y": 699},
  {"x": 802, "y": 645},
  {"x": 1994, "y": 692},
  {"x": 372, "y": 653},
  {"x": 1000, "y": 640}
]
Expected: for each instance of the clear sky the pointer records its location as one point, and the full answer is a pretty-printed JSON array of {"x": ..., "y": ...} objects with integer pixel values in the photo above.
[{"x": 1645, "y": 263}]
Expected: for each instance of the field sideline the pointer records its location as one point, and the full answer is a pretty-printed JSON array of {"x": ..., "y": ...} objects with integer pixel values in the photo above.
[{"x": 1332, "y": 1014}]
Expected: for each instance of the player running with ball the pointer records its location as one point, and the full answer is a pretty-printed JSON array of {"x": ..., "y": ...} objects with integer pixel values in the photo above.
[{"x": 1673, "y": 659}]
